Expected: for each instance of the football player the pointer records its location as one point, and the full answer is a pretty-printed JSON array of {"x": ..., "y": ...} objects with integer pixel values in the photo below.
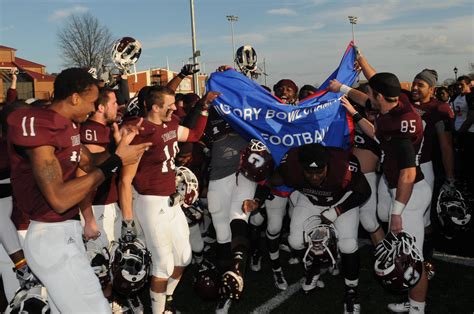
[
  {"x": 45, "y": 151},
  {"x": 156, "y": 207},
  {"x": 225, "y": 195},
  {"x": 399, "y": 130},
  {"x": 331, "y": 186},
  {"x": 11, "y": 253},
  {"x": 438, "y": 119}
]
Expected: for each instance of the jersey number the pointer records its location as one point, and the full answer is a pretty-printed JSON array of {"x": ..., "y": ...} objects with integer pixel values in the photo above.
[
  {"x": 28, "y": 126},
  {"x": 169, "y": 158},
  {"x": 91, "y": 135},
  {"x": 408, "y": 126}
]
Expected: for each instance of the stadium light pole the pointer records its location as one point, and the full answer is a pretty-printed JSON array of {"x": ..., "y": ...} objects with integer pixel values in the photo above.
[
  {"x": 197, "y": 90},
  {"x": 353, "y": 21},
  {"x": 232, "y": 19},
  {"x": 455, "y": 73}
]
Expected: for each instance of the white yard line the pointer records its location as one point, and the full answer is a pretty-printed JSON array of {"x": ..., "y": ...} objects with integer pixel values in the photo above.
[
  {"x": 277, "y": 300},
  {"x": 280, "y": 298},
  {"x": 467, "y": 261}
]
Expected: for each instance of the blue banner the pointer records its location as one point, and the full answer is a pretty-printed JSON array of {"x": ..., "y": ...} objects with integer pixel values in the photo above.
[{"x": 255, "y": 113}]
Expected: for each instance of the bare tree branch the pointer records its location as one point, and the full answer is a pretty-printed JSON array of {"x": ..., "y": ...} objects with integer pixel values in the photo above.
[{"x": 84, "y": 42}]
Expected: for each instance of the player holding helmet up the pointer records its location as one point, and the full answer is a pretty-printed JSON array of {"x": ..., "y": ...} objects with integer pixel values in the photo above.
[
  {"x": 398, "y": 129},
  {"x": 156, "y": 207}
]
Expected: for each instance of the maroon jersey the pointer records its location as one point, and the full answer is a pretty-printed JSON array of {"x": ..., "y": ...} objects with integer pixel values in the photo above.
[
  {"x": 98, "y": 134},
  {"x": 401, "y": 122},
  {"x": 156, "y": 172},
  {"x": 4, "y": 161},
  {"x": 432, "y": 113},
  {"x": 343, "y": 175},
  {"x": 33, "y": 127}
]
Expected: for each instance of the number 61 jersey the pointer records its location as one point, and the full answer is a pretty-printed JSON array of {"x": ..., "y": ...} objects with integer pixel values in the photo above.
[
  {"x": 399, "y": 124},
  {"x": 156, "y": 171},
  {"x": 34, "y": 127}
]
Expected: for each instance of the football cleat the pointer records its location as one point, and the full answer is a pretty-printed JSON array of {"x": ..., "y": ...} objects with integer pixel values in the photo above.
[
  {"x": 256, "y": 261},
  {"x": 169, "y": 306},
  {"x": 223, "y": 306},
  {"x": 279, "y": 279},
  {"x": 351, "y": 302},
  {"x": 310, "y": 282},
  {"x": 135, "y": 305},
  {"x": 232, "y": 285},
  {"x": 403, "y": 307}
]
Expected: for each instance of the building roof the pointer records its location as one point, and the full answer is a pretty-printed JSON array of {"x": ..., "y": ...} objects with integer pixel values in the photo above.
[
  {"x": 26, "y": 63},
  {"x": 40, "y": 77},
  {"x": 6, "y": 48}
]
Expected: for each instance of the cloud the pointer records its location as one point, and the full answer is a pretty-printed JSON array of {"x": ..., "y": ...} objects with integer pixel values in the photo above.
[
  {"x": 292, "y": 29},
  {"x": 63, "y": 13},
  {"x": 282, "y": 11}
]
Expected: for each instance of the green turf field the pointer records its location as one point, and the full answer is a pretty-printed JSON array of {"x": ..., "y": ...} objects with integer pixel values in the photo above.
[{"x": 451, "y": 291}]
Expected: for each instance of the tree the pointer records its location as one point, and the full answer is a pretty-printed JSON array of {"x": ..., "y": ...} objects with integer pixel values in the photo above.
[{"x": 84, "y": 42}]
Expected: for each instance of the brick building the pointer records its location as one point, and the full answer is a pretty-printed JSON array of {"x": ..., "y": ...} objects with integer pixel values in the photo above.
[
  {"x": 161, "y": 77},
  {"x": 32, "y": 80}
]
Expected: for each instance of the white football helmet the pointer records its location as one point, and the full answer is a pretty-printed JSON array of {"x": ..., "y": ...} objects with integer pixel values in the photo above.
[
  {"x": 29, "y": 301},
  {"x": 246, "y": 59},
  {"x": 187, "y": 186},
  {"x": 126, "y": 52}
]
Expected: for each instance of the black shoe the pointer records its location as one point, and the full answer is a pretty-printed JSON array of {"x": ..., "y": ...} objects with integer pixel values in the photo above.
[
  {"x": 169, "y": 305},
  {"x": 351, "y": 302}
]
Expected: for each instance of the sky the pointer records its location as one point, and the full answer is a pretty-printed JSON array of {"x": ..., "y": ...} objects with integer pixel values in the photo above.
[{"x": 302, "y": 40}]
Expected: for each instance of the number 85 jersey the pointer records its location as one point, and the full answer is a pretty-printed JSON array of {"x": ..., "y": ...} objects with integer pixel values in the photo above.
[
  {"x": 400, "y": 124},
  {"x": 156, "y": 171}
]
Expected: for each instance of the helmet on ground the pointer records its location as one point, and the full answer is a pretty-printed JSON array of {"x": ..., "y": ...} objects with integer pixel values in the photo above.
[
  {"x": 130, "y": 265},
  {"x": 29, "y": 301},
  {"x": 453, "y": 213},
  {"x": 206, "y": 282}
]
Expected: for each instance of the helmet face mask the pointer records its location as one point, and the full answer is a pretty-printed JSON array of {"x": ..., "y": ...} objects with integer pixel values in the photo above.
[
  {"x": 256, "y": 162},
  {"x": 321, "y": 240},
  {"x": 398, "y": 264},
  {"x": 187, "y": 186},
  {"x": 453, "y": 213}
]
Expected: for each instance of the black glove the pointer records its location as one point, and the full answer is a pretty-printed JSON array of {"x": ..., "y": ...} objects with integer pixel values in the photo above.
[
  {"x": 26, "y": 278},
  {"x": 129, "y": 230},
  {"x": 189, "y": 69}
]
